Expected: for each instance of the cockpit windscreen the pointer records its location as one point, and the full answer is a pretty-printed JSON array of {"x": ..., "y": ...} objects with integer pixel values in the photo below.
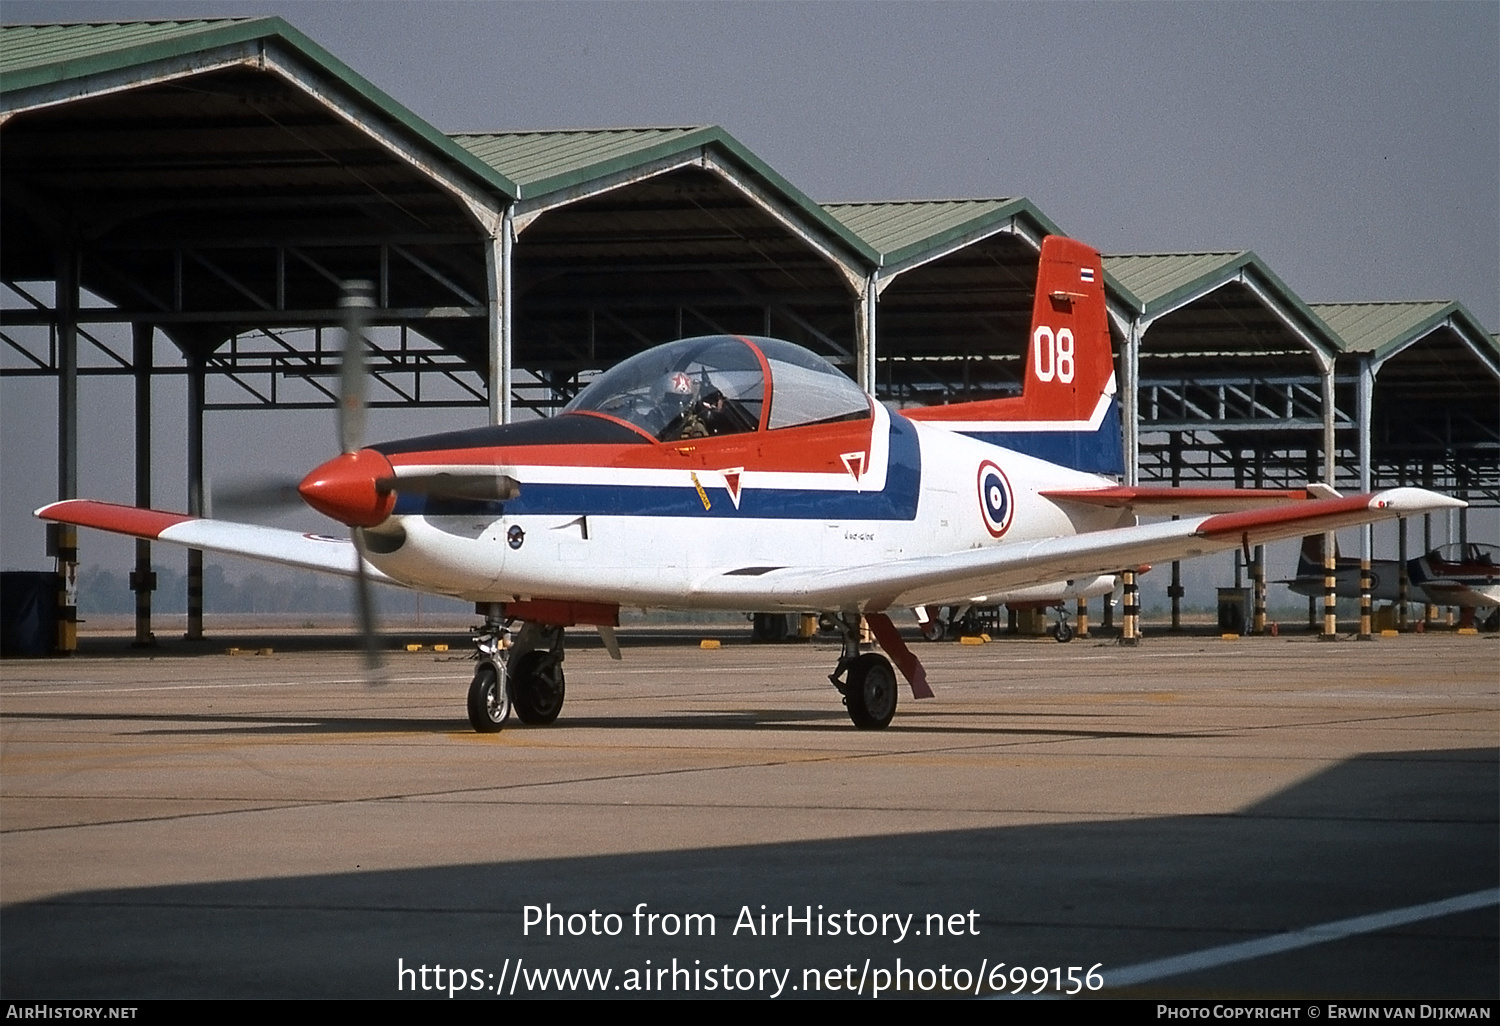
[{"x": 716, "y": 385}]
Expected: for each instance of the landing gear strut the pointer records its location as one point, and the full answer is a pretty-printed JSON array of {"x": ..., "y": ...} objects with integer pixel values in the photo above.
[
  {"x": 1062, "y": 630},
  {"x": 868, "y": 681},
  {"x": 528, "y": 678}
]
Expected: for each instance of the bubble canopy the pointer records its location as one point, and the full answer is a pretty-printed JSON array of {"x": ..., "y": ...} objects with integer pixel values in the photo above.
[{"x": 722, "y": 385}]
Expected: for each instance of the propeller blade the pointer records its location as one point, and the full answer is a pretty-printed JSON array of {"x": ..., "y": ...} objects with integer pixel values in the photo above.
[
  {"x": 357, "y": 302},
  {"x": 242, "y": 497},
  {"x": 453, "y": 485},
  {"x": 365, "y": 604}
]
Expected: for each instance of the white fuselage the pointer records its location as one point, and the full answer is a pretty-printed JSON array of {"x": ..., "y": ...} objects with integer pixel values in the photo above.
[{"x": 702, "y": 561}]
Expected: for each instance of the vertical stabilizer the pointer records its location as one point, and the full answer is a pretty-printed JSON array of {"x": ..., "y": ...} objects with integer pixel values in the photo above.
[{"x": 1066, "y": 412}]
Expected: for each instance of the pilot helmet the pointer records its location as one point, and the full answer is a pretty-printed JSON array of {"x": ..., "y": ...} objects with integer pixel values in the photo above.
[{"x": 676, "y": 391}]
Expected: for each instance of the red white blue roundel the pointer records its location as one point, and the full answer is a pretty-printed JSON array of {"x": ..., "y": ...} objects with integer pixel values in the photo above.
[{"x": 994, "y": 499}]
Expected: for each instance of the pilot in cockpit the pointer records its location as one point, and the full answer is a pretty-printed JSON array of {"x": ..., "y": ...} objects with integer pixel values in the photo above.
[{"x": 696, "y": 408}]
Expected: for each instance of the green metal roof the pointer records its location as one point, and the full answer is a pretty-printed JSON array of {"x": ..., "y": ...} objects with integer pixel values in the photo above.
[
  {"x": 34, "y": 56},
  {"x": 1165, "y": 281},
  {"x": 543, "y": 162},
  {"x": 903, "y": 229},
  {"x": 1162, "y": 279},
  {"x": 1383, "y": 329},
  {"x": 907, "y": 231}
]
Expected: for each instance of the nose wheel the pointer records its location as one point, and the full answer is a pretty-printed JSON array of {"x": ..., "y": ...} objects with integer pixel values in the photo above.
[
  {"x": 489, "y": 698},
  {"x": 867, "y": 681}
]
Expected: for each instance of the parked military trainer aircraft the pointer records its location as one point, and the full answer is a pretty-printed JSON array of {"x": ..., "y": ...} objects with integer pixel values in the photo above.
[
  {"x": 1466, "y": 575},
  {"x": 742, "y": 473}
]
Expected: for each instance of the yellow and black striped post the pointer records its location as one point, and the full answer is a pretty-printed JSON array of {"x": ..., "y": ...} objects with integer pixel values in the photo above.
[
  {"x": 1330, "y": 592},
  {"x": 1130, "y": 630},
  {"x": 1366, "y": 585},
  {"x": 62, "y": 545},
  {"x": 1258, "y": 579}
]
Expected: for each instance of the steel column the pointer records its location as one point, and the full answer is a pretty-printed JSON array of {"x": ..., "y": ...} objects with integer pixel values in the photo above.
[
  {"x": 65, "y": 536},
  {"x": 1130, "y": 370},
  {"x": 142, "y": 580},
  {"x": 1365, "y": 402},
  {"x": 864, "y": 327},
  {"x": 498, "y": 262},
  {"x": 197, "y": 382},
  {"x": 1403, "y": 577}
]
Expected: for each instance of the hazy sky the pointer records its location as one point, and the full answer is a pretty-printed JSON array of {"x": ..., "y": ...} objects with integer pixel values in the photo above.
[{"x": 1354, "y": 146}]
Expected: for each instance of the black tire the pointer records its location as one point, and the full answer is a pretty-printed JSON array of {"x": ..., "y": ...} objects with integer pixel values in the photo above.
[
  {"x": 1063, "y": 632},
  {"x": 489, "y": 706},
  {"x": 537, "y": 688},
  {"x": 870, "y": 693}
]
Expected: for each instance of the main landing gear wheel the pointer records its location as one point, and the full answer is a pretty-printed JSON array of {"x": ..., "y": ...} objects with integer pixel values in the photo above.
[
  {"x": 537, "y": 687},
  {"x": 870, "y": 692},
  {"x": 489, "y": 705},
  {"x": 1063, "y": 631}
]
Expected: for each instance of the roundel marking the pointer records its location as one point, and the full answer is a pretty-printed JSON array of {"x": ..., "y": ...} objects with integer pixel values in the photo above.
[{"x": 994, "y": 499}]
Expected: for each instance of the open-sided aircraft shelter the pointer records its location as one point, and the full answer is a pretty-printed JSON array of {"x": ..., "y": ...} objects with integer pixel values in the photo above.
[{"x": 218, "y": 181}]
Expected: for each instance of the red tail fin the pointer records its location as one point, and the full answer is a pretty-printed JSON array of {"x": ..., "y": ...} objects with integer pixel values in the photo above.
[{"x": 1069, "y": 365}]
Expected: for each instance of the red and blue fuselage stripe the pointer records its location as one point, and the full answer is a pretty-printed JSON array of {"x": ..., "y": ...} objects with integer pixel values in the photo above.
[{"x": 896, "y": 501}]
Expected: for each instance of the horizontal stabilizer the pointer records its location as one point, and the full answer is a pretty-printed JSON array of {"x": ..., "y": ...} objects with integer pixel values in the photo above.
[{"x": 1179, "y": 501}]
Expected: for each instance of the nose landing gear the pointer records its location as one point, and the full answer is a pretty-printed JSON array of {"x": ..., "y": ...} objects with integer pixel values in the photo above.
[
  {"x": 527, "y": 678},
  {"x": 868, "y": 681}
]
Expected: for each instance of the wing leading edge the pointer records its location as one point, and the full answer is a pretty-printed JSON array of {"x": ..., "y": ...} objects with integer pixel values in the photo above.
[
  {"x": 276, "y": 545},
  {"x": 973, "y": 574}
]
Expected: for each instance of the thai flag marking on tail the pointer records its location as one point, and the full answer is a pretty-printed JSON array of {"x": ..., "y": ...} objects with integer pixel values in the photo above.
[{"x": 1086, "y": 273}]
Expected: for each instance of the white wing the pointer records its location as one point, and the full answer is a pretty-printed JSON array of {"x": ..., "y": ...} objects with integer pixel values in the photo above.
[
  {"x": 276, "y": 545},
  {"x": 972, "y": 575}
]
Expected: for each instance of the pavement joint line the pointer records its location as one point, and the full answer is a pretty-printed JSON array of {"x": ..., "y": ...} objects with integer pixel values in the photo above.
[
  {"x": 610, "y": 778},
  {"x": 1228, "y": 954}
]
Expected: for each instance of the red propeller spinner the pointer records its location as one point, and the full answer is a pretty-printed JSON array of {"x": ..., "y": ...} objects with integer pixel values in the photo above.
[{"x": 352, "y": 488}]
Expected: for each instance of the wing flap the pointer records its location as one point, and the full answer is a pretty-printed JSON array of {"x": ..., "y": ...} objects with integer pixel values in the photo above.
[{"x": 274, "y": 545}]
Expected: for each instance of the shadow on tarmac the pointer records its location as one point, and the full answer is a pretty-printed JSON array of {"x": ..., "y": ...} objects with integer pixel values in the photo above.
[{"x": 1378, "y": 832}]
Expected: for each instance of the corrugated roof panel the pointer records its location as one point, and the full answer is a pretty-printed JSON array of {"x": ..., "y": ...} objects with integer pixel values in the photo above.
[
  {"x": 530, "y": 158},
  {"x": 33, "y": 56},
  {"x": 898, "y": 224},
  {"x": 32, "y": 47},
  {"x": 543, "y": 162},
  {"x": 1153, "y": 276},
  {"x": 1369, "y": 327}
]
